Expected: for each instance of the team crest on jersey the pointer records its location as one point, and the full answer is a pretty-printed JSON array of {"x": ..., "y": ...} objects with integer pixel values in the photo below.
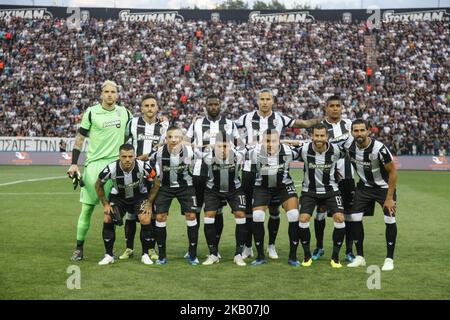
[
  {"x": 227, "y": 127},
  {"x": 372, "y": 156},
  {"x": 275, "y": 122}
]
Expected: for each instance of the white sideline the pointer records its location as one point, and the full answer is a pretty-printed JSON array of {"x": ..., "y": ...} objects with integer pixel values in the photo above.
[
  {"x": 38, "y": 193},
  {"x": 31, "y": 180}
]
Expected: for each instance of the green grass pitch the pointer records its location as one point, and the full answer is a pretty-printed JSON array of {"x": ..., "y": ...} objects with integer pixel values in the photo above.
[{"x": 37, "y": 236}]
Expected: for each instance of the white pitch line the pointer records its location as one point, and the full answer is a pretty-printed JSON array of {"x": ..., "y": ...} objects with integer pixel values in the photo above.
[
  {"x": 31, "y": 180},
  {"x": 38, "y": 193}
]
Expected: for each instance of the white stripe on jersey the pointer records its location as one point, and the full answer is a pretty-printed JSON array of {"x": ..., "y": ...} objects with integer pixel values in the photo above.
[
  {"x": 198, "y": 133},
  {"x": 368, "y": 164},
  {"x": 249, "y": 120}
]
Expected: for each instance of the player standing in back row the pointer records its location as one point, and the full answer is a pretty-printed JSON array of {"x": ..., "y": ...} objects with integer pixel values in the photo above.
[
  {"x": 146, "y": 132},
  {"x": 256, "y": 123},
  {"x": 104, "y": 124}
]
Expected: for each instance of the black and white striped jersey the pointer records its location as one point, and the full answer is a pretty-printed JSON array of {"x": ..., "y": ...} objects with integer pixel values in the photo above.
[
  {"x": 319, "y": 168},
  {"x": 255, "y": 125},
  {"x": 146, "y": 136},
  {"x": 224, "y": 174},
  {"x": 271, "y": 170},
  {"x": 369, "y": 162},
  {"x": 127, "y": 185},
  {"x": 203, "y": 133},
  {"x": 337, "y": 133},
  {"x": 173, "y": 169}
]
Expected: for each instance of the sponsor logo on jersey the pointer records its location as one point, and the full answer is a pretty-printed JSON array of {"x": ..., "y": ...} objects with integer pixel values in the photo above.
[
  {"x": 147, "y": 137},
  {"x": 223, "y": 166},
  {"x": 112, "y": 123},
  {"x": 174, "y": 168}
]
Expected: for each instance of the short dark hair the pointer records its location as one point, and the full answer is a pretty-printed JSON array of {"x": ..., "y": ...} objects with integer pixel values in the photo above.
[
  {"x": 126, "y": 147},
  {"x": 173, "y": 127},
  {"x": 148, "y": 96},
  {"x": 212, "y": 96},
  {"x": 334, "y": 97},
  {"x": 360, "y": 121},
  {"x": 319, "y": 126}
]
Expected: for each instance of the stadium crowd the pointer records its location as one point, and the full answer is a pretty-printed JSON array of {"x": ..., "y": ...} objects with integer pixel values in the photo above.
[{"x": 49, "y": 73}]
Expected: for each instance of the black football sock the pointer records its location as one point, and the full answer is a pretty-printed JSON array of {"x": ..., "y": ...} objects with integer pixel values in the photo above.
[
  {"x": 258, "y": 233},
  {"x": 218, "y": 224},
  {"x": 272, "y": 227},
  {"x": 391, "y": 237},
  {"x": 319, "y": 230},
  {"x": 80, "y": 244},
  {"x": 161, "y": 236},
  {"x": 152, "y": 234},
  {"x": 192, "y": 232},
  {"x": 210, "y": 235},
  {"x": 358, "y": 237},
  {"x": 338, "y": 239},
  {"x": 305, "y": 238},
  {"x": 240, "y": 234},
  {"x": 249, "y": 227},
  {"x": 293, "y": 240},
  {"x": 130, "y": 232},
  {"x": 348, "y": 237},
  {"x": 145, "y": 238},
  {"x": 109, "y": 236}
]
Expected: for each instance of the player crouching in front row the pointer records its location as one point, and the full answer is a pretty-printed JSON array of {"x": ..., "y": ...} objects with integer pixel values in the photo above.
[
  {"x": 224, "y": 166},
  {"x": 129, "y": 194}
]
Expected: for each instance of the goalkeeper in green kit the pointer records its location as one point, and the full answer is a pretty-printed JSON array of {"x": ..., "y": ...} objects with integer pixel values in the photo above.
[{"x": 104, "y": 125}]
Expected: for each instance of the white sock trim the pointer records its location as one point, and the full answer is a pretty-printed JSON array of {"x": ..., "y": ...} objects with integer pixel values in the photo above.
[
  {"x": 292, "y": 215},
  {"x": 259, "y": 216},
  {"x": 161, "y": 224},
  {"x": 339, "y": 225},
  {"x": 274, "y": 217},
  {"x": 357, "y": 216},
  {"x": 389, "y": 219},
  {"x": 191, "y": 223},
  {"x": 240, "y": 220},
  {"x": 209, "y": 220},
  {"x": 303, "y": 225},
  {"x": 320, "y": 216}
]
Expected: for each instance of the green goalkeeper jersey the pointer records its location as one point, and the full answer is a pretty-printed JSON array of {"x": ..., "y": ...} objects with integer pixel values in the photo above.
[{"x": 105, "y": 130}]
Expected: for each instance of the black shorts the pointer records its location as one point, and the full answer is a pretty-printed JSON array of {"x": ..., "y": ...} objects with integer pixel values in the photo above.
[
  {"x": 185, "y": 196},
  {"x": 265, "y": 196},
  {"x": 365, "y": 198},
  {"x": 309, "y": 201},
  {"x": 133, "y": 207},
  {"x": 347, "y": 189},
  {"x": 214, "y": 200}
]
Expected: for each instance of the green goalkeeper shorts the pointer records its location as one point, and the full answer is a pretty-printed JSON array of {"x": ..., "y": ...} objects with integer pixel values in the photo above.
[{"x": 90, "y": 176}]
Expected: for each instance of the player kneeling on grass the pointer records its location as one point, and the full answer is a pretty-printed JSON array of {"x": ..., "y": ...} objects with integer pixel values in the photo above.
[
  {"x": 172, "y": 162},
  {"x": 224, "y": 184},
  {"x": 129, "y": 194},
  {"x": 270, "y": 160}
]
